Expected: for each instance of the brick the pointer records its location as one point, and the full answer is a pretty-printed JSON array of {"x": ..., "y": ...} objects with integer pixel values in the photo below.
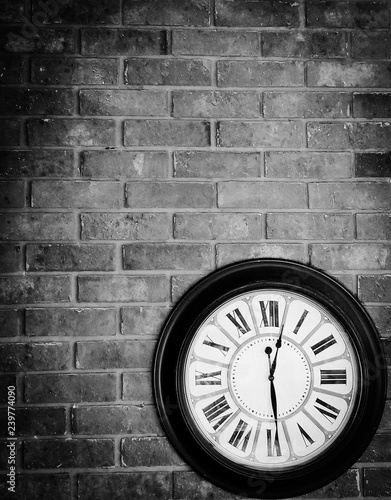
[
  {"x": 136, "y": 485},
  {"x": 262, "y": 14},
  {"x": 6, "y": 380},
  {"x": 42, "y": 356},
  {"x": 373, "y": 226},
  {"x": 148, "y": 451},
  {"x": 371, "y": 44},
  {"x": 70, "y": 388},
  {"x": 71, "y": 132},
  {"x": 349, "y": 14},
  {"x": 308, "y": 226},
  {"x": 188, "y": 484},
  {"x": 17, "y": 101},
  {"x": 166, "y": 133},
  {"x": 36, "y": 421},
  {"x": 307, "y": 44},
  {"x": 12, "y": 70},
  {"x": 34, "y": 289},
  {"x": 143, "y": 320},
  {"x": 36, "y": 486},
  {"x": 128, "y": 164},
  {"x": 216, "y": 104},
  {"x": 12, "y": 11},
  {"x": 124, "y": 41},
  {"x": 125, "y": 226},
  {"x": 11, "y": 194},
  {"x": 86, "y": 12},
  {"x": 175, "y": 12},
  {"x": 254, "y": 73},
  {"x": 77, "y": 194},
  {"x": 9, "y": 132},
  {"x": 74, "y": 71},
  {"x": 137, "y": 386},
  {"x": 44, "y": 41},
  {"x": 123, "y": 102},
  {"x": 37, "y": 226},
  {"x": 211, "y": 164},
  {"x": 114, "y": 354},
  {"x": 70, "y": 257},
  {"x": 11, "y": 321},
  {"x": 36, "y": 163},
  {"x": 261, "y": 195},
  {"x": 122, "y": 288},
  {"x": 386, "y": 419},
  {"x": 216, "y": 226},
  {"x": 306, "y": 104},
  {"x": 259, "y": 134},
  {"x": 377, "y": 482},
  {"x": 308, "y": 164},
  {"x": 348, "y": 74},
  {"x": 232, "y": 252},
  {"x": 351, "y": 256},
  {"x": 374, "y": 288},
  {"x": 70, "y": 322},
  {"x": 181, "y": 284},
  {"x": 170, "y": 194},
  {"x": 173, "y": 256},
  {"x": 11, "y": 259},
  {"x": 373, "y": 165},
  {"x": 378, "y": 450},
  {"x": 68, "y": 453},
  {"x": 356, "y": 135},
  {"x": 350, "y": 195},
  {"x": 371, "y": 105},
  {"x": 164, "y": 71},
  {"x": 381, "y": 316}
]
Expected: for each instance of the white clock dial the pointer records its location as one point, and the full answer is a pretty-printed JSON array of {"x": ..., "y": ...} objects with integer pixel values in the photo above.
[{"x": 270, "y": 379}]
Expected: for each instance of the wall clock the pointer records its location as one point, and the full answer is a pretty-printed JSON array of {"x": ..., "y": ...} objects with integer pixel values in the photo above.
[{"x": 269, "y": 378}]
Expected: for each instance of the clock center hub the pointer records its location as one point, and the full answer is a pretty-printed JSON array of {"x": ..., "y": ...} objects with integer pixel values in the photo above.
[{"x": 250, "y": 378}]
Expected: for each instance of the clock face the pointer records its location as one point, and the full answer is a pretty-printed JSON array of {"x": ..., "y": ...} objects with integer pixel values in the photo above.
[{"x": 271, "y": 379}]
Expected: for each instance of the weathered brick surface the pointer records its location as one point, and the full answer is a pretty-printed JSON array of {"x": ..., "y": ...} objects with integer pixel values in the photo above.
[
  {"x": 11, "y": 259},
  {"x": 86, "y": 12},
  {"x": 35, "y": 486},
  {"x": 273, "y": 134},
  {"x": 371, "y": 44},
  {"x": 308, "y": 44},
  {"x": 45, "y": 41},
  {"x": 9, "y": 132},
  {"x": 12, "y": 70},
  {"x": 137, "y": 387},
  {"x": 35, "y": 357},
  {"x": 36, "y": 163},
  {"x": 175, "y": 12},
  {"x": 350, "y": 195},
  {"x": 375, "y": 256},
  {"x": 254, "y": 73},
  {"x": 149, "y": 452},
  {"x": 143, "y": 320},
  {"x": 36, "y": 101},
  {"x": 114, "y": 354},
  {"x": 34, "y": 289},
  {"x": 306, "y": 104},
  {"x": 373, "y": 165},
  {"x": 348, "y": 74},
  {"x": 37, "y": 226},
  {"x": 262, "y": 14},
  {"x": 11, "y": 321},
  {"x": 348, "y": 14},
  {"x": 36, "y": 421},
  {"x": 11, "y": 194},
  {"x": 349, "y": 135}
]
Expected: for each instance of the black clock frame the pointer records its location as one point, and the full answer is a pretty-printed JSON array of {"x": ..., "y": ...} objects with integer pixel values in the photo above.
[{"x": 178, "y": 332}]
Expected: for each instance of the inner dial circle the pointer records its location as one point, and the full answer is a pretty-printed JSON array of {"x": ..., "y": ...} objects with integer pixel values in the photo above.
[{"x": 249, "y": 378}]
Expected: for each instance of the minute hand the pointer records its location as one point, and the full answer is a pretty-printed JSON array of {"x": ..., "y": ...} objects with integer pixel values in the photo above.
[{"x": 278, "y": 345}]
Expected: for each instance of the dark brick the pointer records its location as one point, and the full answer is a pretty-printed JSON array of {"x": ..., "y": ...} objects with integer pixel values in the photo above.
[
  {"x": 254, "y": 73},
  {"x": 374, "y": 288},
  {"x": 379, "y": 450},
  {"x": 350, "y": 196},
  {"x": 259, "y": 134},
  {"x": 377, "y": 482},
  {"x": 6, "y": 381},
  {"x": 15, "y": 101},
  {"x": 11, "y": 194},
  {"x": 216, "y": 164},
  {"x": 70, "y": 388},
  {"x": 137, "y": 386},
  {"x": 114, "y": 354},
  {"x": 306, "y": 104},
  {"x": 11, "y": 321},
  {"x": 153, "y": 71},
  {"x": 62, "y": 321},
  {"x": 42, "y": 356},
  {"x": 11, "y": 259},
  {"x": 181, "y": 284},
  {"x": 125, "y": 288},
  {"x": 43, "y": 41},
  {"x": 373, "y": 226},
  {"x": 12, "y": 70},
  {"x": 125, "y": 226},
  {"x": 149, "y": 451},
  {"x": 348, "y": 74},
  {"x": 36, "y": 163},
  {"x": 68, "y": 453},
  {"x": 37, "y": 226},
  {"x": 34, "y": 289},
  {"x": 175, "y": 12},
  {"x": 38, "y": 487},
  {"x": 263, "y": 14},
  {"x": 374, "y": 256},
  {"x": 232, "y": 252},
  {"x": 350, "y": 14},
  {"x": 372, "y": 105},
  {"x": 86, "y": 12},
  {"x": 70, "y": 257},
  {"x": 9, "y": 132},
  {"x": 128, "y": 164},
  {"x": 188, "y": 484},
  {"x": 123, "y": 42},
  {"x": 74, "y": 71},
  {"x": 371, "y": 44},
  {"x": 143, "y": 320},
  {"x": 215, "y": 43},
  {"x": 12, "y": 11},
  {"x": 308, "y": 44},
  {"x": 71, "y": 132},
  {"x": 36, "y": 421},
  {"x": 381, "y": 315},
  {"x": 134, "y": 485},
  {"x": 373, "y": 164}
]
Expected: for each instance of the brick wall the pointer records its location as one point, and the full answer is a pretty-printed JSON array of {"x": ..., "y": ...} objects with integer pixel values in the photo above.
[{"x": 144, "y": 144}]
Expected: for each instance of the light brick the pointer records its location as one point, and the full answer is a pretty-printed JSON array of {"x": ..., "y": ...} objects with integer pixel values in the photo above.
[
  {"x": 37, "y": 226},
  {"x": 306, "y": 104},
  {"x": 123, "y": 102},
  {"x": 104, "y": 355},
  {"x": 373, "y": 226},
  {"x": 234, "y": 252},
  {"x": 137, "y": 386},
  {"x": 34, "y": 289},
  {"x": 351, "y": 256},
  {"x": 350, "y": 195},
  {"x": 143, "y": 320},
  {"x": 381, "y": 315},
  {"x": 348, "y": 74},
  {"x": 306, "y": 44},
  {"x": 260, "y": 134},
  {"x": 375, "y": 288}
]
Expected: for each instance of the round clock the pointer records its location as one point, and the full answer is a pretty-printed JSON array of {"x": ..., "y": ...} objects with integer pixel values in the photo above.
[{"x": 269, "y": 378}]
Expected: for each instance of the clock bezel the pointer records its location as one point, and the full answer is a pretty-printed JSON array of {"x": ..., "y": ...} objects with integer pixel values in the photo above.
[{"x": 177, "y": 334}]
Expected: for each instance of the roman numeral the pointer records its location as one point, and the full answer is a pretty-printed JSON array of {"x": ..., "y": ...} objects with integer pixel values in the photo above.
[
  {"x": 269, "y": 318},
  {"x": 273, "y": 450},
  {"x": 323, "y": 344},
  {"x": 222, "y": 348},
  {"x": 211, "y": 378},
  {"x": 239, "y": 438},
  {"x": 327, "y": 410},
  {"x": 333, "y": 377},
  {"x": 306, "y": 437},
  {"x": 236, "y": 317},
  {"x": 300, "y": 322},
  {"x": 214, "y": 412}
]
